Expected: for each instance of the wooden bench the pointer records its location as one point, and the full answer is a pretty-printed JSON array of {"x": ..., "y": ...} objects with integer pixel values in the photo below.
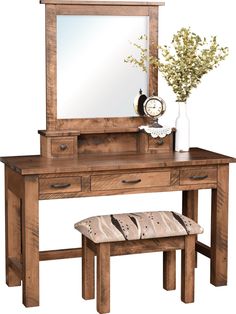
[{"x": 132, "y": 233}]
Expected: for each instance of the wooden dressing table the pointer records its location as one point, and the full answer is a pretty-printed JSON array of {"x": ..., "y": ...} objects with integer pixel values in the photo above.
[
  {"x": 30, "y": 179},
  {"x": 103, "y": 156}
]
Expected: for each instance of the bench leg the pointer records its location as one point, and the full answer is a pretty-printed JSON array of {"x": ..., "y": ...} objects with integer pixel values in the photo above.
[
  {"x": 169, "y": 270},
  {"x": 187, "y": 269},
  {"x": 103, "y": 278},
  {"x": 88, "y": 281}
]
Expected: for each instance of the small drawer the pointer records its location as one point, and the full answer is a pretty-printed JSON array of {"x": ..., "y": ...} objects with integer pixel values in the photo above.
[
  {"x": 198, "y": 175},
  {"x": 156, "y": 145},
  {"x": 130, "y": 181},
  {"x": 62, "y": 147},
  {"x": 61, "y": 184},
  {"x": 146, "y": 144}
]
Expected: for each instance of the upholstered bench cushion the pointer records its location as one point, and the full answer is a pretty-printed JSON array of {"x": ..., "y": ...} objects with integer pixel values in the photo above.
[{"x": 135, "y": 226}]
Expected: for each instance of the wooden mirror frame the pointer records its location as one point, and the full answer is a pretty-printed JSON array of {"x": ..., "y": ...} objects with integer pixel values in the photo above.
[{"x": 74, "y": 7}]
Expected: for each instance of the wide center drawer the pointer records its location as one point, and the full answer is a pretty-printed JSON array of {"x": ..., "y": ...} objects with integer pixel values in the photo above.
[
  {"x": 60, "y": 184},
  {"x": 130, "y": 180}
]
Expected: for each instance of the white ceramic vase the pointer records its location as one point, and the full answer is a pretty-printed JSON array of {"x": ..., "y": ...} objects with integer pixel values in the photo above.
[{"x": 182, "y": 126}]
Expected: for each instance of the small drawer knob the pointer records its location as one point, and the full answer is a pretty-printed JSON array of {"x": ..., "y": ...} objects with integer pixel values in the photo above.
[
  {"x": 63, "y": 147},
  {"x": 160, "y": 141}
]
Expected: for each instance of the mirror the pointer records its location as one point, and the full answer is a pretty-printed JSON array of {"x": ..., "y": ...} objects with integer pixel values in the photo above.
[{"x": 92, "y": 78}]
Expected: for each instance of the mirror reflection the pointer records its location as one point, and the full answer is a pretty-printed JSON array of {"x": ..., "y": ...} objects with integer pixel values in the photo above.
[{"x": 92, "y": 78}]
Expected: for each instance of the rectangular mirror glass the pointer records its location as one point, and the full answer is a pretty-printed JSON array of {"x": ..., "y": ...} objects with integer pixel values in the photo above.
[{"x": 92, "y": 78}]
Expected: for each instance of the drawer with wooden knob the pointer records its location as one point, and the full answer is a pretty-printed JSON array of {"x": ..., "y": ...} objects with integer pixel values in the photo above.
[
  {"x": 60, "y": 184},
  {"x": 197, "y": 175},
  {"x": 59, "y": 144},
  {"x": 157, "y": 145},
  {"x": 130, "y": 180},
  {"x": 62, "y": 147}
]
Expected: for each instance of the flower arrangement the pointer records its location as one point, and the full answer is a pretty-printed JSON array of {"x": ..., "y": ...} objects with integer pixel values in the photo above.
[{"x": 184, "y": 63}]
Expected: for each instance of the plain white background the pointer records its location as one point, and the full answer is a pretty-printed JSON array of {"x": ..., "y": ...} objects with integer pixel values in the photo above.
[{"x": 136, "y": 281}]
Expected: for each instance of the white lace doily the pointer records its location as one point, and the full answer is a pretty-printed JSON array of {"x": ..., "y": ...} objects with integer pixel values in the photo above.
[{"x": 156, "y": 132}]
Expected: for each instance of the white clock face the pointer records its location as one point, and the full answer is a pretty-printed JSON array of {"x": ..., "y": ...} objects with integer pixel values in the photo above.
[{"x": 154, "y": 107}]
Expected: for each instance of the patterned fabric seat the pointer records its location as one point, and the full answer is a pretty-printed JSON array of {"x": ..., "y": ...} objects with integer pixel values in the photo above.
[
  {"x": 121, "y": 234},
  {"x": 135, "y": 226}
]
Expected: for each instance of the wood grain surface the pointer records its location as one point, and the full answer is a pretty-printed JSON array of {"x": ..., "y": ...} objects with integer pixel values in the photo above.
[
  {"x": 27, "y": 165},
  {"x": 111, "y": 3}
]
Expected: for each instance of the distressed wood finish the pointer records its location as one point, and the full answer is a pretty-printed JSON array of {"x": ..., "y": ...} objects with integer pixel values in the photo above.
[
  {"x": 203, "y": 249},
  {"x": 103, "y": 278},
  {"x": 167, "y": 245},
  {"x": 61, "y": 147},
  {"x": 112, "y": 3},
  {"x": 15, "y": 182},
  {"x": 106, "y": 9},
  {"x": 16, "y": 265},
  {"x": 30, "y": 165},
  {"x": 56, "y": 133},
  {"x": 25, "y": 173},
  {"x": 143, "y": 143},
  {"x": 129, "y": 181},
  {"x": 88, "y": 280},
  {"x": 51, "y": 66},
  {"x": 107, "y": 143},
  {"x": 190, "y": 204},
  {"x": 60, "y": 254},
  {"x": 64, "y": 146},
  {"x": 77, "y": 252},
  {"x": 169, "y": 270},
  {"x": 146, "y": 246},
  {"x": 190, "y": 208},
  {"x": 219, "y": 228},
  {"x": 142, "y": 246},
  {"x": 187, "y": 270},
  {"x": 193, "y": 175},
  {"x": 30, "y": 242},
  {"x": 174, "y": 178},
  {"x": 56, "y": 144},
  {"x": 58, "y": 195},
  {"x": 157, "y": 146},
  {"x": 54, "y": 8},
  {"x": 121, "y": 150},
  {"x": 147, "y": 144},
  {"x": 153, "y": 51},
  {"x": 101, "y": 125},
  {"x": 13, "y": 232},
  {"x": 62, "y": 184},
  {"x": 101, "y": 129}
]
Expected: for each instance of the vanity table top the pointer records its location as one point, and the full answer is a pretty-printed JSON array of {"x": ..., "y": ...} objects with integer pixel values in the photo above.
[
  {"x": 31, "y": 165},
  {"x": 123, "y": 3}
]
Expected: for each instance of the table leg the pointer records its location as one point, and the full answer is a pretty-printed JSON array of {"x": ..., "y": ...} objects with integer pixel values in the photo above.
[
  {"x": 190, "y": 208},
  {"x": 13, "y": 235},
  {"x": 30, "y": 242},
  {"x": 219, "y": 228},
  {"x": 190, "y": 204}
]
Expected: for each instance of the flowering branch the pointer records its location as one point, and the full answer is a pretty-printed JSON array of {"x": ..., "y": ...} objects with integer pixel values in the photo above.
[{"x": 185, "y": 62}]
